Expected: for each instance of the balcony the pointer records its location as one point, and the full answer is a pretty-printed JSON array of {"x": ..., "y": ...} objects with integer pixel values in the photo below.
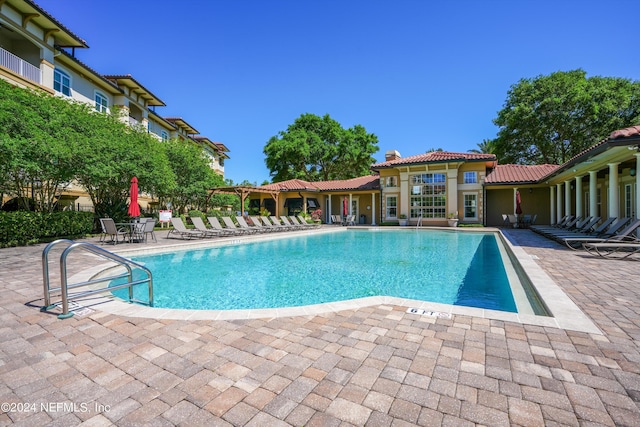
[{"x": 20, "y": 66}]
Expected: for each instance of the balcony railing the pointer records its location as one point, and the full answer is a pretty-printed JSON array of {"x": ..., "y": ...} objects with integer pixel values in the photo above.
[{"x": 20, "y": 66}]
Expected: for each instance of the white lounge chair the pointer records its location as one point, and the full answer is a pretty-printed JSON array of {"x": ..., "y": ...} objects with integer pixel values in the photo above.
[
  {"x": 215, "y": 223},
  {"x": 228, "y": 223},
  {"x": 180, "y": 229},
  {"x": 200, "y": 226}
]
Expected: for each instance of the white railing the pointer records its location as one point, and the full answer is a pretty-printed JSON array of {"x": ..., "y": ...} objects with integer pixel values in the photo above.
[{"x": 20, "y": 66}]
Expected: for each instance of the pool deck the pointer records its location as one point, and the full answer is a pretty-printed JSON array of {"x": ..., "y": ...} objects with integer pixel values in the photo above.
[{"x": 371, "y": 364}]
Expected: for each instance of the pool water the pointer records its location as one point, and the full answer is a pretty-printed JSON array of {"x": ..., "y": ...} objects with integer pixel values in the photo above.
[{"x": 438, "y": 266}]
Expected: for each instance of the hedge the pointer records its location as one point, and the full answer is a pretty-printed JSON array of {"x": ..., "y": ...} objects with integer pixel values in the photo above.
[{"x": 23, "y": 228}]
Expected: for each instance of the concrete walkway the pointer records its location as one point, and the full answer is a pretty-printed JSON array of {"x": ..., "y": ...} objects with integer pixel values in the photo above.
[{"x": 377, "y": 366}]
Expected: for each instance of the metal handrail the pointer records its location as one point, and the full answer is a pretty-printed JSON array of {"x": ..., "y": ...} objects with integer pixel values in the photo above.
[
  {"x": 64, "y": 285},
  {"x": 419, "y": 223}
]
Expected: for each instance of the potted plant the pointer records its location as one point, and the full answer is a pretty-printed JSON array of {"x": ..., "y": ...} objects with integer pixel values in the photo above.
[
  {"x": 452, "y": 220},
  {"x": 403, "y": 221}
]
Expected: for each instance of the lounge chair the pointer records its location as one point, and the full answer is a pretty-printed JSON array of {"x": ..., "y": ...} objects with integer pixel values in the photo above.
[
  {"x": 286, "y": 222},
  {"x": 257, "y": 223},
  {"x": 244, "y": 226},
  {"x": 180, "y": 229},
  {"x": 576, "y": 242},
  {"x": 613, "y": 249},
  {"x": 228, "y": 223},
  {"x": 278, "y": 224},
  {"x": 200, "y": 226},
  {"x": 268, "y": 225},
  {"x": 584, "y": 227},
  {"x": 304, "y": 222},
  {"x": 215, "y": 223},
  {"x": 114, "y": 232}
]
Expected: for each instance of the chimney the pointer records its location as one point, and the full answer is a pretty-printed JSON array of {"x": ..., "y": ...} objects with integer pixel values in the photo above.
[{"x": 391, "y": 155}]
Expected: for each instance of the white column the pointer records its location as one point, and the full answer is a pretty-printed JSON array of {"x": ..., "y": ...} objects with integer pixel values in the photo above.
[
  {"x": 329, "y": 210},
  {"x": 403, "y": 203},
  {"x": 552, "y": 204},
  {"x": 614, "y": 199},
  {"x": 593, "y": 196},
  {"x": 559, "y": 213},
  {"x": 373, "y": 208},
  {"x": 579, "y": 210},
  {"x": 567, "y": 197},
  {"x": 515, "y": 193},
  {"x": 452, "y": 191},
  {"x": 350, "y": 204}
]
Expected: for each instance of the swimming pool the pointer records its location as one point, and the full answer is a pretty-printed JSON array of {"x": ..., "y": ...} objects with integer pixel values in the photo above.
[{"x": 448, "y": 267}]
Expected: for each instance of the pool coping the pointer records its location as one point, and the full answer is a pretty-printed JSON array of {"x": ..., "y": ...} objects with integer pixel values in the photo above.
[{"x": 566, "y": 314}]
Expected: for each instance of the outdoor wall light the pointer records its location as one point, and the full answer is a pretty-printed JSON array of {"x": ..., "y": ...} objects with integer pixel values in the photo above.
[
  {"x": 632, "y": 171},
  {"x": 531, "y": 190}
]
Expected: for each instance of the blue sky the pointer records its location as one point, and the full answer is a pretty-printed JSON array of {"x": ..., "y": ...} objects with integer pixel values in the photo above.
[{"x": 418, "y": 74}]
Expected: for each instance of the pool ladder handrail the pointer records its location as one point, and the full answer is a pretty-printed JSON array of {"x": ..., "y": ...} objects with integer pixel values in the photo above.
[
  {"x": 64, "y": 285},
  {"x": 419, "y": 223}
]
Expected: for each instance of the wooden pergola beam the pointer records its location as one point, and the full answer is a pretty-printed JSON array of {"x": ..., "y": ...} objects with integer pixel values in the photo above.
[{"x": 244, "y": 192}]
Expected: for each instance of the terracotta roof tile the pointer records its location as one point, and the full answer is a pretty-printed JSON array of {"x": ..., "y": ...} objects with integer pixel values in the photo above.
[
  {"x": 369, "y": 182},
  {"x": 625, "y": 133},
  {"x": 435, "y": 157},
  {"x": 511, "y": 174}
]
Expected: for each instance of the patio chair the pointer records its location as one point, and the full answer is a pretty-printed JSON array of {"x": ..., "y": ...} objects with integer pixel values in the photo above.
[
  {"x": 215, "y": 224},
  {"x": 103, "y": 234},
  {"x": 148, "y": 229},
  {"x": 336, "y": 219},
  {"x": 114, "y": 232},
  {"x": 180, "y": 229},
  {"x": 200, "y": 226},
  {"x": 351, "y": 220}
]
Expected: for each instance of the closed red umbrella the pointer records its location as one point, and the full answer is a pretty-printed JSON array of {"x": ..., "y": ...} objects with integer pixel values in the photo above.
[
  {"x": 134, "y": 209},
  {"x": 518, "y": 201},
  {"x": 345, "y": 207}
]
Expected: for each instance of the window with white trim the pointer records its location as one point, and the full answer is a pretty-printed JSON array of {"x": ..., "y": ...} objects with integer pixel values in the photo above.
[
  {"x": 61, "y": 82},
  {"x": 392, "y": 206},
  {"x": 470, "y": 177},
  {"x": 428, "y": 197},
  {"x": 470, "y": 206},
  {"x": 392, "y": 181},
  {"x": 102, "y": 103}
]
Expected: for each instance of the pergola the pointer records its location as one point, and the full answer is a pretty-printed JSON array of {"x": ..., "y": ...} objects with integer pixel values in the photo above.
[{"x": 243, "y": 192}]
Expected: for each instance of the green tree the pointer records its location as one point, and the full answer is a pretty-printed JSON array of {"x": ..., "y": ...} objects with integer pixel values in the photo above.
[
  {"x": 38, "y": 145},
  {"x": 193, "y": 175},
  {"x": 318, "y": 148},
  {"x": 111, "y": 154},
  {"x": 487, "y": 146},
  {"x": 549, "y": 119}
]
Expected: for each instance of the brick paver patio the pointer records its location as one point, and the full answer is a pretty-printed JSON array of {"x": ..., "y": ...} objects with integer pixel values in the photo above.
[{"x": 376, "y": 366}]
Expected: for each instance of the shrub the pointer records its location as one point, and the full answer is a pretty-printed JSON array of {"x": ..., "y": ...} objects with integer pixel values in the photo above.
[{"x": 23, "y": 228}]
